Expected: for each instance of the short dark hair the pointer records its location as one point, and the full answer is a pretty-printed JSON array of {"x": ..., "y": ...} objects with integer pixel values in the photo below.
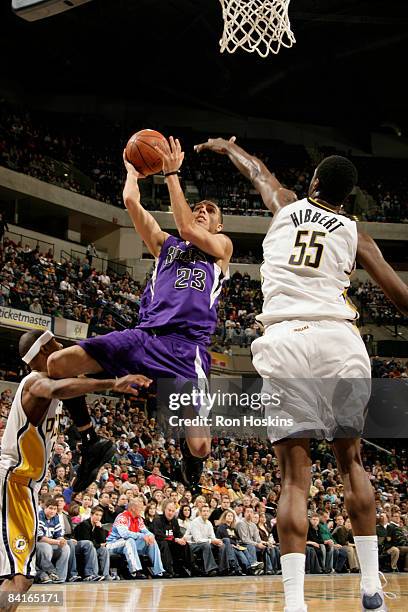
[
  {"x": 50, "y": 501},
  {"x": 97, "y": 509},
  {"x": 337, "y": 177}
]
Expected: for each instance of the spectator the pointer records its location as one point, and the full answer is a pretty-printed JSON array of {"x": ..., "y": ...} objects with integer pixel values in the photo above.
[
  {"x": 3, "y": 227},
  {"x": 242, "y": 557},
  {"x": 184, "y": 518},
  {"x": 339, "y": 557},
  {"x": 174, "y": 550},
  {"x": 130, "y": 537},
  {"x": 155, "y": 478},
  {"x": 201, "y": 537},
  {"x": 51, "y": 546},
  {"x": 91, "y": 252},
  {"x": 249, "y": 535},
  {"x": 343, "y": 536},
  {"x": 91, "y": 530},
  {"x": 397, "y": 538}
]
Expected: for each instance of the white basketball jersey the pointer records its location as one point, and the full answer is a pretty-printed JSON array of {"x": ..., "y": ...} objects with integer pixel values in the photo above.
[
  {"x": 26, "y": 449},
  {"x": 309, "y": 254}
]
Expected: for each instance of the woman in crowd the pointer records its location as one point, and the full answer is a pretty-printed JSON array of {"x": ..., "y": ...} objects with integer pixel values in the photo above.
[
  {"x": 184, "y": 517},
  {"x": 272, "y": 552},
  {"x": 150, "y": 514},
  {"x": 226, "y": 530}
]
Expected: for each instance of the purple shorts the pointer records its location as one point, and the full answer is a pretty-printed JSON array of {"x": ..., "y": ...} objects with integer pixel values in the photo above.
[{"x": 136, "y": 351}]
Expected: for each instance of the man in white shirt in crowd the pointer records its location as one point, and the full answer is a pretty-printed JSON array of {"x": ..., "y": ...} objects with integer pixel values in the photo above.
[{"x": 201, "y": 537}]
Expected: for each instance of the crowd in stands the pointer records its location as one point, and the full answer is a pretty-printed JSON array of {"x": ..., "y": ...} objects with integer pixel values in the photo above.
[
  {"x": 36, "y": 282},
  {"x": 138, "y": 519},
  {"x": 83, "y": 154},
  {"x": 374, "y": 306}
]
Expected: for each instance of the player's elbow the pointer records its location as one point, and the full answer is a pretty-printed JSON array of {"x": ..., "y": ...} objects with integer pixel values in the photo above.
[{"x": 55, "y": 366}]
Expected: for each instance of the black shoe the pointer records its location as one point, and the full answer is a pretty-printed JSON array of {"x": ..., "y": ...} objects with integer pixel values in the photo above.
[
  {"x": 211, "y": 573},
  {"x": 191, "y": 468},
  {"x": 93, "y": 457}
]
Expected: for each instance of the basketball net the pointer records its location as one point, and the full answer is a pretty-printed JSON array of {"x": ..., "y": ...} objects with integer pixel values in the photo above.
[{"x": 256, "y": 25}]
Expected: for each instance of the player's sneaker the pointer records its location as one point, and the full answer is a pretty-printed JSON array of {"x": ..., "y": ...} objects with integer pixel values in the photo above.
[
  {"x": 191, "y": 468},
  {"x": 376, "y": 601},
  {"x": 93, "y": 457},
  {"x": 304, "y": 609}
]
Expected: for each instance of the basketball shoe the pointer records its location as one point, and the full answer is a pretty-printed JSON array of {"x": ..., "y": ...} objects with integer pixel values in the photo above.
[
  {"x": 93, "y": 456},
  {"x": 376, "y": 602},
  {"x": 191, "y": 468}
]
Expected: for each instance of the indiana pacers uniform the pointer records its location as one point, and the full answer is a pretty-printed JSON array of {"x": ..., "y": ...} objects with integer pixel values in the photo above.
[
  {"x": 25, "y": 452},
  {"x": 311, "y": 351}
]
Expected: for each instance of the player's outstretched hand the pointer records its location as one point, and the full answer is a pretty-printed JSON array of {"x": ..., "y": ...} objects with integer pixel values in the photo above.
[
  {"x": 218, "y": 145},
  {"x": 171, "y": 154},
  {"x": 130, "y": 382}
]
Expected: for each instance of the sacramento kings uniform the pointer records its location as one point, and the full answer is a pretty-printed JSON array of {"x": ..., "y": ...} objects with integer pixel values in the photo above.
[
  {"x": 178, "y": 314},
  {"x": 25, "y": 453},
  {"x": 309, "y": 254}
]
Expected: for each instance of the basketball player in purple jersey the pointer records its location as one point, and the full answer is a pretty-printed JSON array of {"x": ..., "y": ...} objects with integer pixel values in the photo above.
[
  {"x": 178, "y": 308},
  {"x": 308, "y": 335}
]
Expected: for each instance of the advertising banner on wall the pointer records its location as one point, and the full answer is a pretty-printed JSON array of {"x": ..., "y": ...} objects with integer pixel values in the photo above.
[
  {"x": 70, "y": 329},
  {"x": 21, "y": 319}
]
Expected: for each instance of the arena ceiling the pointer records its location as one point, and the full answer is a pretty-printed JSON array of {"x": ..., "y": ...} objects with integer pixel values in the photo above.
[{"x": 348, "y": 67}]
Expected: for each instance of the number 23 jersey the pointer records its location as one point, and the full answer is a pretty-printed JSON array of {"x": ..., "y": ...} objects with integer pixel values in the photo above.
[
  {"x": 309, "y": 254},
  {"x": 183, "y": 293}
]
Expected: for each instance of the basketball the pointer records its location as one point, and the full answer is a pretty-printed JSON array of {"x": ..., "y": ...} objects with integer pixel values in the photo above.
[{"x": 141, "y": 152}]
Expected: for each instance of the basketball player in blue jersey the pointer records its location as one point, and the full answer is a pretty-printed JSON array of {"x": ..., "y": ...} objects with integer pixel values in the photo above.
[
  {"x": 26, "y": 447},
  {"x": 309, "y": 253},
  {"x": 178, "y": 311}
]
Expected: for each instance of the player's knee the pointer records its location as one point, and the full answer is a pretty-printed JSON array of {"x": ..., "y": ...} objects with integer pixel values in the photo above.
[{"x": 200, "y": 448}]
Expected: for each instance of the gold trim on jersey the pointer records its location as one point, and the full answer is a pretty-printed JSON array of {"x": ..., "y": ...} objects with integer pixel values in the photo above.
[
  {"x": 21, "y": 525},
  {"x": 32, "y": 452},
  {"x": 319, "y": 205}
]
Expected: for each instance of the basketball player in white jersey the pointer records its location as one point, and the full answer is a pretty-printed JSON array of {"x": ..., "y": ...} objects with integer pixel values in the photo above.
[
  {"x": 309, "y": 252},
  {"x": 27, "y": 444}
]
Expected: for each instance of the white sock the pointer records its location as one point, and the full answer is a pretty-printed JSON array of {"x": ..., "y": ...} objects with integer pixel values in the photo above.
[
  {"x": 367, "y": 551},
  {"x": 293, "y": 575}
]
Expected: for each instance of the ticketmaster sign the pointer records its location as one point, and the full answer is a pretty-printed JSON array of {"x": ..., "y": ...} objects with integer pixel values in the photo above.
[{"x": 22, "y": 319}]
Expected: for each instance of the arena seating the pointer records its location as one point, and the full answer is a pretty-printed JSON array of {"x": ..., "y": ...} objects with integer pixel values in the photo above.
[{"x": 85, "y": 157}]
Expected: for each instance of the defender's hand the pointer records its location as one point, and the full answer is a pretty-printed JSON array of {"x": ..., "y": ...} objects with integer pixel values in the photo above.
[
  {"x": 128, "y": 383},
  {"x": 218, "y": 145}
]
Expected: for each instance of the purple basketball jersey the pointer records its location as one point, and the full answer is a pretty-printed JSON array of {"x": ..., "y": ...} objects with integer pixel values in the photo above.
[{"x": 183, "y": 292}]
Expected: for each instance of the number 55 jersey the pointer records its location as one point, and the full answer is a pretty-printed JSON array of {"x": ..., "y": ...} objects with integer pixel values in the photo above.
[{"x": 309, "y": 254}]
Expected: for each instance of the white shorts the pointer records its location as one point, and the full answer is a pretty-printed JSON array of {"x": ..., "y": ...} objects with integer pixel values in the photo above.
[
  {"x": 19, "y": 518},
  {"x": 320, "y": 371}
]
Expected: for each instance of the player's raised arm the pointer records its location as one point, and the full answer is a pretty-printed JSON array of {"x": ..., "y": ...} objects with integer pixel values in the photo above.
[
  {"x": 215, "y": 244},
  {"x": 145, "y": 224},
  {"x": 273, "y": 194},
  {"x": 372, "y": 260}
]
